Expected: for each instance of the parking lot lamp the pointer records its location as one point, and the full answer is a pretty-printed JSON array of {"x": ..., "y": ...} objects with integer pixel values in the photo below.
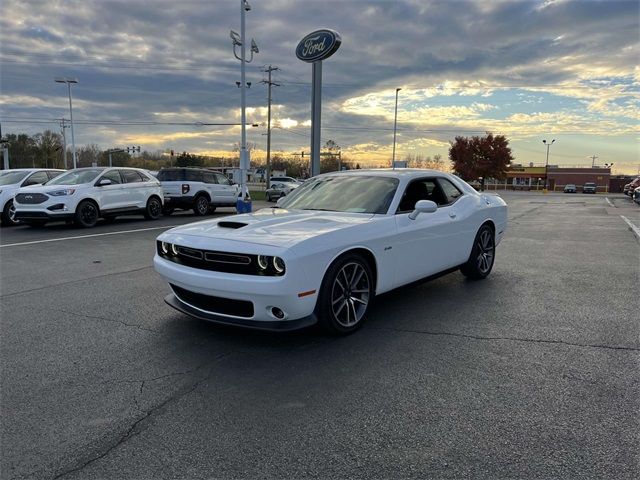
[
  {"x": 546, "y": 165},
  {"x": 395, "y": 125},
  {"x": 69, "y": 81}
]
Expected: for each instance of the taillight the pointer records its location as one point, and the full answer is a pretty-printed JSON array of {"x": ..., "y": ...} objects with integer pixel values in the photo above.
[{"x": 185, "y": 188}]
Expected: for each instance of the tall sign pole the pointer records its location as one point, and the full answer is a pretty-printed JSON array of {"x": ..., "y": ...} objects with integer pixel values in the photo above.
[{"x": 314, "y": 48}]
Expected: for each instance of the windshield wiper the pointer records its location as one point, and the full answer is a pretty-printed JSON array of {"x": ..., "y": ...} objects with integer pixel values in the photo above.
[{"x": 320, "y": 209}]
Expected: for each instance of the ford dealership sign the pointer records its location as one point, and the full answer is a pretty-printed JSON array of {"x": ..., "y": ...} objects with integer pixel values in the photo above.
[{"x": 318, "y": 45}]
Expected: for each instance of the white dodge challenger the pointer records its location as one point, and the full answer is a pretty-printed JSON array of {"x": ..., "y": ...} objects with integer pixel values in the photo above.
[{"x": 323, "y": 252}]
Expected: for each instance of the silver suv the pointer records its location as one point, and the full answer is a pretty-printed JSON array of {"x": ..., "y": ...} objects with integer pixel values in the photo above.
[{"x": 200, "y": 189}]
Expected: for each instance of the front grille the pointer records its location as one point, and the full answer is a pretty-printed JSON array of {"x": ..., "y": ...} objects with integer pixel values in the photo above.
[
  {"x": 226, "y": 262},
  {"x": 31, "y": 198},
  {"x": 211, "y": 304}
]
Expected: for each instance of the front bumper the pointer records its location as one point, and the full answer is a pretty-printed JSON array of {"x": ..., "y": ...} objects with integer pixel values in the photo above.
[
  {"x": 269, "y": 325},
  {"x": 264, "y": 293},
  {"x": 42, "y": 215}
]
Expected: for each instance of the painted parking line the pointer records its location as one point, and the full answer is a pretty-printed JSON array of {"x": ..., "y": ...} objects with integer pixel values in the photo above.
[
  {"x": 77, "y": 237},
  {"x": 609, "y": 202},
  {"x": 635, "y": 229}
]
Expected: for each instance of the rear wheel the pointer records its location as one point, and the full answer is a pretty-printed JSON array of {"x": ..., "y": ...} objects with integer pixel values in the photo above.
[
  {"x": 87, "y": 214},
  {"x": 345, "y": 295},
  {"x": 9, "y": 214},
  {"x": 482, "y": 255},
  {"x": 201, "y": 206},
  {"x": 268, "y": 197},
  {"x": 154, "y": 209}
]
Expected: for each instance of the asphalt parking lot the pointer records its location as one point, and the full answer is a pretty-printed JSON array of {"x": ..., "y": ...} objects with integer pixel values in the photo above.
[{"x": 532, "y": 373}]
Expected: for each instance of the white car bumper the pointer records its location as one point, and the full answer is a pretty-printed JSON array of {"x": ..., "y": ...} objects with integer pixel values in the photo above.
[
  {"x": 244, "y": 300},
  {"x": 50, "y": 208}
]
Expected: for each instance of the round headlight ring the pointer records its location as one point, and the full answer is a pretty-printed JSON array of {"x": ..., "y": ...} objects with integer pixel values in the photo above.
[
  {"x": 278, "y": 264},
  {"x": 263, "y": 262},
  {"x": 174, "y": 249},
  {"x": 164, "y": 246}
]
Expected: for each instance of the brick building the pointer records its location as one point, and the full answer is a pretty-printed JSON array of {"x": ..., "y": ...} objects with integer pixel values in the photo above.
[{"x": 532, "y": 177}]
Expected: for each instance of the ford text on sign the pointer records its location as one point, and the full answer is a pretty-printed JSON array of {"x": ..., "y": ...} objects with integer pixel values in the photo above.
[{"x": 318, "y": 45}]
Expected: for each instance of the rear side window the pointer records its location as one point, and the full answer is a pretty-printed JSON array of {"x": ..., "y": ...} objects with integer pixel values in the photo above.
[
  {"x": 192, "y": 176},
  {"x": 450, "y": 190},
  {"x": 171, "y": 175},
  {"x": 131, "y": 176},
  {"x": 53, "y": 173}
]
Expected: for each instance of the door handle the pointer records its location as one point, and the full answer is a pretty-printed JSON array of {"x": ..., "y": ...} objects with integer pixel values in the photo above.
[{"x": 452, "y": 215}]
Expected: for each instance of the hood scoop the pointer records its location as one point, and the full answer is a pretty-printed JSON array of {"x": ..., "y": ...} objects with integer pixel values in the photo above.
[{"x": 234, "y": 225}]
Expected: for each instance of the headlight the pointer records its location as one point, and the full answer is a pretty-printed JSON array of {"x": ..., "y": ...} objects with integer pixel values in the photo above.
[
  {"x": 263, "y": 262},
  {"x": 174, "y": 249},
  {"x": 164, "y": 246},
  {"x": 278, "y": 264},
  {"x": 61, "y": 193}
]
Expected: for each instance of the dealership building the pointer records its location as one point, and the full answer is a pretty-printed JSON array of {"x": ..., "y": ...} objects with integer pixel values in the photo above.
[{"x": 532, "y": 177}]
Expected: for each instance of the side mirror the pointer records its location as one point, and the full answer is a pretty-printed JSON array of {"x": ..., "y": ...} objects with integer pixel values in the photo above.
[
  {"x": 423, "y": 206},
  {"x": 103, "y": 182}
]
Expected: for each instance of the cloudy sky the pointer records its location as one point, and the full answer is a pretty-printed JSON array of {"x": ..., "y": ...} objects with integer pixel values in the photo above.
[{"x": 150, "y": 71}]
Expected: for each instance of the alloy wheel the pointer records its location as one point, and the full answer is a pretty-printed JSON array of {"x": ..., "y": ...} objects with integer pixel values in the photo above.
[
  {"x": 486, "y": 251},
  {"x": 89, "y": 214},
  {"x": 12, "y": 213},
  {"x": 350, "y": 294}
]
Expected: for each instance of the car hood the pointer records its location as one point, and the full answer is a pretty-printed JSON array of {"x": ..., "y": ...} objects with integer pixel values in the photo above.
[
  {"x": 47, "y": 188},
  {"x": 273, "y": 226}
]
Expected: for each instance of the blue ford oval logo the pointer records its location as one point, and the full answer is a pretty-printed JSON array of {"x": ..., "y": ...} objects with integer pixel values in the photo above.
[{"x": 318, "y": 45}]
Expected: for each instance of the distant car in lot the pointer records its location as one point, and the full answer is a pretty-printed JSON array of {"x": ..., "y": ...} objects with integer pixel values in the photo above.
[
  {"x": 570, "y": 188},
  {"x": 199, "y": 189},
  {"x": 12, "y": 180},
  {"x": 636, "y": 195},
  {"x": 630, "y": 187},
  {"x": 285, "y": 180},
  {"x": 84, "y": 195},
  {"x": 322, "y": 254},
  {"x": 589, "y": 187},
  {"x": 279, "y": 190}
]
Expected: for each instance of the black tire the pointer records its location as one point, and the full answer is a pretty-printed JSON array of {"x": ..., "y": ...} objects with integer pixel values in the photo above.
[
  {"x": 167, "y": 211},
  {"x": 345, "y": 295},
  {"x": 482, "y": 256},
  {"x": 153, "y": 209},
  {"x": 201, "y": 205},
  {"x": 212, "y": 208},
  {"x": 35, "y": 223},
  {"x": 87, "y": 214},
  {"x": 268, "y": 197},
  {"x": 7, "y": 216}
]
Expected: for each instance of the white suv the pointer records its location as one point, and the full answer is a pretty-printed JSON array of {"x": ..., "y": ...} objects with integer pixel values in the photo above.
[
  {"x": 84, "y": 195},
  {"x": 10, "y": 183},
  {"x": 199, "y": 189}
]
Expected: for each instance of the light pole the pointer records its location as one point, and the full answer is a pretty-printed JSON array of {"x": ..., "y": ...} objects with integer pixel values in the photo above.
[
  {"x": 239, "y": 41},
  {"x": 395, "y": 124},
  {"x": 69, "y": 81},
  {"x": 546, "y": 165}
]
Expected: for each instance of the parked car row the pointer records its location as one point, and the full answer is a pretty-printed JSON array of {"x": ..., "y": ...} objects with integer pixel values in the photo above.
[
  {"x": 632, "y": 189},
  {"x": 588, "y": 187},
  {"x": 85, "y": 195}
]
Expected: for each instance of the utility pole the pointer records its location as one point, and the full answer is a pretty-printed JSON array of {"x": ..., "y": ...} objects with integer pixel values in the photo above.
[
  {"x": 5, "y": 150},
  {"x": 593, "y": 161},
  {"x": 268, "y": 70}
]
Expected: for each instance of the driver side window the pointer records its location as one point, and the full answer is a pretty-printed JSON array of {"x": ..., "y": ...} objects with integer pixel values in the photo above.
[
  {"x": 112, "y": 175},
  {"x": 422, "y": 189}
]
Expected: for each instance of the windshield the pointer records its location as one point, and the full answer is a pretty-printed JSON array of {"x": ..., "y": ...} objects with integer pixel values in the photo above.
[
  {"x": 76, "y": 177},
  {"x": 589, "y": 184},
  {"x": 348, "y": 193},
  {"x": 10, "y": 178}
]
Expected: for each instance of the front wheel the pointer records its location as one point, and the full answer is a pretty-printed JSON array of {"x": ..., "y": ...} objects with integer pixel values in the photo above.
[
  {"x": 201, "y": 206},
  {"x": 87, "y": 214},
  {"x": 482, "y": 255},
  {"x": 9, "y": 215},
  {"x": 153, "y": 209},
  {"x": 345, "y": 295}
]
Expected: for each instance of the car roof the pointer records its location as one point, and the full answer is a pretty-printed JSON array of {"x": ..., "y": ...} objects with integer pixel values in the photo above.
[{"x": 391, "y": 172}]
